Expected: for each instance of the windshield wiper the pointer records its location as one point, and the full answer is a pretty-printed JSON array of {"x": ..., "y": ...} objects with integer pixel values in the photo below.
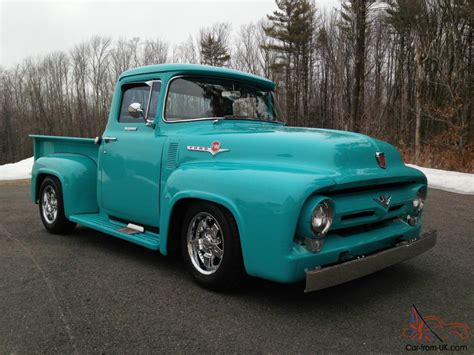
[
  {"x": 248, "y": 118},
  {"x": 234, "y": 117},
  {"x": 237, "y": 117}
]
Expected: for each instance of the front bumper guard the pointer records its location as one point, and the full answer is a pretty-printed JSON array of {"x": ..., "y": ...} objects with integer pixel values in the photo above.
[{"x": 320, "y": 278}]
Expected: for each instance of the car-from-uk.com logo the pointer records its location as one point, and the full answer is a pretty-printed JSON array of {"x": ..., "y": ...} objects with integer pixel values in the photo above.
[{"x": 432, "y": 333}]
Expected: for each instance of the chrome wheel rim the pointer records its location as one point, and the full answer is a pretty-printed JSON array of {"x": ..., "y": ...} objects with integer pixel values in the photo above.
[
  {"x": 49, "y": 204},
  {"x": 205, "y": 243}
]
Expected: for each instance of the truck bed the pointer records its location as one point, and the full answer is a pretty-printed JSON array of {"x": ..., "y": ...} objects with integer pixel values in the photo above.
[{"x": 49, "y": 145}]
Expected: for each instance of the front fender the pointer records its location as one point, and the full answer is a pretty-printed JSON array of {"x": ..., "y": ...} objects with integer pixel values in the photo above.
[
  {"x": 78, "y": 177},
  {"x": 264, "y": 202}
]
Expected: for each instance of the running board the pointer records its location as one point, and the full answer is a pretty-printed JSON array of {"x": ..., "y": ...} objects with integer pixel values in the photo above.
[{"x": 104, "y": 224}]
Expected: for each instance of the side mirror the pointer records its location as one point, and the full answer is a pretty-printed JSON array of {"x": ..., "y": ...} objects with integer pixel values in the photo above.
[{"x": 135, "y": 110}]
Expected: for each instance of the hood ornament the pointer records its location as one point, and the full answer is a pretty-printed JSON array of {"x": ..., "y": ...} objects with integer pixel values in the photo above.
[
  {"x": 380, "y": 157},
  {"x": 383, "y": 201},
  {"x": 214, "y": 149}
]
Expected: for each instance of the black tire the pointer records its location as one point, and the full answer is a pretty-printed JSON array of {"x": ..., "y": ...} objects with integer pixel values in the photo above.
[
  {"x": 58, "y": 224},
  {"x": 231, "y": 269}
]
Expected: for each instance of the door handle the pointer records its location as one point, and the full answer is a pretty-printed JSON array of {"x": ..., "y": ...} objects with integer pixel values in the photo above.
[{"x": 109, "y": 139}]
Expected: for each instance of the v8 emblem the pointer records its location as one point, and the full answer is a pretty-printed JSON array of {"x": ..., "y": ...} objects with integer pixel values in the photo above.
[{"x": 383, "y": 201}]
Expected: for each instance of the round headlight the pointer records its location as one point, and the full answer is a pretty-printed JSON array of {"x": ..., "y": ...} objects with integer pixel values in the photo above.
[
  {"x": 419, "y": 201},
  {"x": 321, "y": 218}
]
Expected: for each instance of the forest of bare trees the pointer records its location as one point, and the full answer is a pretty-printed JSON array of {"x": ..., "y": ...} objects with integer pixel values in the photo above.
[{"x": 399, "y": 70}]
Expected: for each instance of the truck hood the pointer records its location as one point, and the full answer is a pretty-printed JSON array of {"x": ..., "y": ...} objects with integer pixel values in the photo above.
[{"x": 339, "y": 155}]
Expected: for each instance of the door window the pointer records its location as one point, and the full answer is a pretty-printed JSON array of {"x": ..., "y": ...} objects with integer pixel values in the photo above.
[{"x": 134, "y": 93}]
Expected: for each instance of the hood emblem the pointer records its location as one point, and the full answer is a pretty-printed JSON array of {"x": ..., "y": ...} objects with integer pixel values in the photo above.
[
  {"x": 383, "y": 201},
  {"x": 380, "y": 157},
  {"x": 214, "y": 149}
]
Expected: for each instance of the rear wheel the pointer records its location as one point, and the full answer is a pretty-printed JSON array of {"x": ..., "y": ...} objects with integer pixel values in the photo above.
[
  {"x": 51, "y": 207},
  {"x": 210, "y": 245}
]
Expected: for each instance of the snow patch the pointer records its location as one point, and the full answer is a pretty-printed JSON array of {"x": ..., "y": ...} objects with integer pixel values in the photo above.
[
  {"x": 452, "y": 181},
  {"x": 18, "y": 170}
]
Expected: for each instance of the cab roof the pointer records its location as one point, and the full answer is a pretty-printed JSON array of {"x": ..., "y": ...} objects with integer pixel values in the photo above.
[{"x": 199, "y": 70}]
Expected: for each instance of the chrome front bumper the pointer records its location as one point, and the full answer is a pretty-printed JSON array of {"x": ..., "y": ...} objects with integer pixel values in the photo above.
[{"x": 320, "y": 278}]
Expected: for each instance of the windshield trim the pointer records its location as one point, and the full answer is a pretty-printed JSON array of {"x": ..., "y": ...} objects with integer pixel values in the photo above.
[{"x": 209, "y": 118}]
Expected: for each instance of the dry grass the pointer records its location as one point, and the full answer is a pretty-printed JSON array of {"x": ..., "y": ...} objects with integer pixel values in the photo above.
[
  {"x": 15, "y": 182},
  {"x": 444, "y": 151}
]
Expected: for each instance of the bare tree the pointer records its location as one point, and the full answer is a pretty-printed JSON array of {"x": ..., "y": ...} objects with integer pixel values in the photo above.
[
  {"x": 247, "y": 53},
  {"x": 124, "y": 55},
  {"x": 155, "y": 52},
  {"x": 100, "y": 83},
  {"x": 186, "y": 52}
]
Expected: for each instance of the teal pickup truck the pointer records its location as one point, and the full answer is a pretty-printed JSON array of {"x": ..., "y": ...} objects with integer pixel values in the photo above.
[{"x": 199, "y": 160}]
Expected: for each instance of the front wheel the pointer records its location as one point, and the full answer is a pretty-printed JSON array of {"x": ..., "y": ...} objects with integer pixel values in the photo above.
[
  {"x": 210, "y": 246},
  {"x": 51, "y": 207}
]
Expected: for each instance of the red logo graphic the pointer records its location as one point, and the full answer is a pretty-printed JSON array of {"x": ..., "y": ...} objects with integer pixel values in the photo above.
[
  {"x": 215, "y": 146},
  {"x": 381, "y": 159},
  {"x": 431, "y": 329}
]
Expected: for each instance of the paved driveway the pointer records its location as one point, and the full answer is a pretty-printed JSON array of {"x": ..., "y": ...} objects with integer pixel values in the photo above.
[{"x": 88, "y": 292}]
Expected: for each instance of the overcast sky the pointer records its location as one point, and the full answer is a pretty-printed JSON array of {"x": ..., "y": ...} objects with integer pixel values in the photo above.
[{"x": 31, "y": 28}]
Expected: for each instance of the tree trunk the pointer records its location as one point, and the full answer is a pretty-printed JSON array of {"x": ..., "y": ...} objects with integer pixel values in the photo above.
[
  {"x": 418, "y": 97},
  {"x": 359, "y": 65}
]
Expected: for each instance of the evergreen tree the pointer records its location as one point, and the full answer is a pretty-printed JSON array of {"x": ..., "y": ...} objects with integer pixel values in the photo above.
[
  {"x": 214, "y": 43},
  {"x": 292, "y": 27}
]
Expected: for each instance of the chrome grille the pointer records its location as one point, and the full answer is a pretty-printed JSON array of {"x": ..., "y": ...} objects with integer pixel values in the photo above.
[{"x": 358, "y": 207}]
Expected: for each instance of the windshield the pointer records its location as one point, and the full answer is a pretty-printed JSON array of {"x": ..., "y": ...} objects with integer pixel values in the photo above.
[{"x": 213, "y": 98}]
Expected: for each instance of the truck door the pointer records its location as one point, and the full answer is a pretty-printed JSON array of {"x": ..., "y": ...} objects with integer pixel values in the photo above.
[{"x": 130, "y": 158}]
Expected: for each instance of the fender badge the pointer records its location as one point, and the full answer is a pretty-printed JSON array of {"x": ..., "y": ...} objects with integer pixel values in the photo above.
[
  {"x": 380, "y": 157},
  {"x": 214, "y": 149},
  {"x": 383, "y": 201}
]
